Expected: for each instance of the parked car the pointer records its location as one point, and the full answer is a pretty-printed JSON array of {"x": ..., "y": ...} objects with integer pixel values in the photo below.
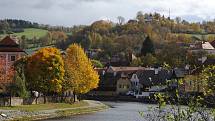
[
  {"x": 142, "y": 95},
  {"x": 130, "y": 93}
]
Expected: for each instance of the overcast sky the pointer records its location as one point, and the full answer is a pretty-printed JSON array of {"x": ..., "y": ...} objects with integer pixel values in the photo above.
[{"x": 76, "y": 12}]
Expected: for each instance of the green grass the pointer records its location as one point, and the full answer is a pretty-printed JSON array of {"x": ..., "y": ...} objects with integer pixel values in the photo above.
[
  {"x": 47, "y": 106},
  {"x": 62, "y": 113},
  {"x": 70, "y": 112},
  {"x": 30, "y": 33}
]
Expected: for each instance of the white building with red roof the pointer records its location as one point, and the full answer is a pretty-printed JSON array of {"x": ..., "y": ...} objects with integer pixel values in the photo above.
[{"x": 9, "y": 53}]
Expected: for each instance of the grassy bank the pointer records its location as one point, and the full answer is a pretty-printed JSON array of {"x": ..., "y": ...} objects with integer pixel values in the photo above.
[
  {"x": 50, "y": 110},
  {"x": 48, "y": 106}
]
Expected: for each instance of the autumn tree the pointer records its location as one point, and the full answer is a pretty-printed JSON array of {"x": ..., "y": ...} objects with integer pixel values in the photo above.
[
  {"x": 147, "y": 47},
  {"x": 45, "y": 71},
  {"x": 140, "y": 17},
  {"x": 80, "y": 75},
  {"x": 6, "y": 73},
  {"x": 208, "y": 76}
]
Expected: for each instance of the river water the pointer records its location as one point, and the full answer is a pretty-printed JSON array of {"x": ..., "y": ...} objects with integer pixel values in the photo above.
[{"x": 119, "y": 111}]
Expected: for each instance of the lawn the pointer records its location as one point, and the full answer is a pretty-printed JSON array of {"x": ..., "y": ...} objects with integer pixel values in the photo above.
[
  {"x": 31, "y": 33},
  {"x": 48, "y": 106}
]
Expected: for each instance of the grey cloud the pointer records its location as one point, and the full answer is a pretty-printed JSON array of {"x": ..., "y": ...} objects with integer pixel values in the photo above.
[
  {"x": 94, "y": 0},
  {"x": 70, "y": 12},
  {"x": 44, "y": 4}
]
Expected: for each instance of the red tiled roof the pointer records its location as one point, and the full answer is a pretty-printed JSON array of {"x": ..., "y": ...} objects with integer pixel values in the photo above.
[
  {"x": 9, "y": 45},
  {"x": 10, "y": 49},
  {"x": 8, "y": 41},
  {"x": 124, "y": 69}
]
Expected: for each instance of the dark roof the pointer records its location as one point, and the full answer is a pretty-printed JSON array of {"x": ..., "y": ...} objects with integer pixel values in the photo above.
[
  {"x": 149, "y": 78},
  {"x": 9, "y": 45},
  {"x": 108, "y": 82},
  {"x": 178, "y": 73},
  {"x": 209, "y": 61},
  {"x": 213, "y": 43}
]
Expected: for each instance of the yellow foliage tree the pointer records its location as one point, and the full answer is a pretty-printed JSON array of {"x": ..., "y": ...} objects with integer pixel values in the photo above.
[
  {"x": 80, "y": 75},
  {"x": 45, "y": 71}
]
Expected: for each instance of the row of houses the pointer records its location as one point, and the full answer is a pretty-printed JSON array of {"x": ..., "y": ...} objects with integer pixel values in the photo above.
[{"x": 120, "y": 80}]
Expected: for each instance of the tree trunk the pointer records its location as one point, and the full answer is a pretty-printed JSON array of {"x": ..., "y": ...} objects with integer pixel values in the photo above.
[
  {"x": 44, "y": 96},
  {"x": 62, "y": 97},
  {"x": 36, "y": 99},
  {"x": 74, "y": 97},
  {"x": 10, "y": 98}
]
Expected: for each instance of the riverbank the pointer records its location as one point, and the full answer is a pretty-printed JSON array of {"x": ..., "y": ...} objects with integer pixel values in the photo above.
[{"x": 51, "y": 110}]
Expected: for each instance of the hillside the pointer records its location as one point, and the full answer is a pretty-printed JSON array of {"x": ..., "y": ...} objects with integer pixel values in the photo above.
[{"x": 30, "y": 33}]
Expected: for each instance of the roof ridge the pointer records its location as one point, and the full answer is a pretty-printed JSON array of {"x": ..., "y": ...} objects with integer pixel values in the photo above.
[{"x": 8, "y": 41}]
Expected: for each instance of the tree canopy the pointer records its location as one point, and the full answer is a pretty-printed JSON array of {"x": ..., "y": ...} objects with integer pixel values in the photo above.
[
  {"x": 147, "y": 47},
  {"x": 45, "y": 71},
  {"x": 80, "y": 75}
]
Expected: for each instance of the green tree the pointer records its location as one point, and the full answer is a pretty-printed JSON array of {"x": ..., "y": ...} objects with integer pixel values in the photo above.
[
  {"x": 136, "y": 62},
  {"x": 19, "y": 77},
  {"x": 147, "y": 47},
  {"x": 149, "y": 60},
  {"x": 97, "y": 64}
]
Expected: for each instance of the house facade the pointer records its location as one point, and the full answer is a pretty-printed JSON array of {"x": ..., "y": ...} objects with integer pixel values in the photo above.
[
  {"x": 120, "y": 80},
  {"x": 9, "y": 53},
  {"x": 202, "y": 47},
  {"x": 123, "y": 85}
]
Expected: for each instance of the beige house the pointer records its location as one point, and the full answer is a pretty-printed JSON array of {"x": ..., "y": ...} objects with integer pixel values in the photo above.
[
  {"x": 192, "y": 84},
  {"x": 123, "y": 85}
]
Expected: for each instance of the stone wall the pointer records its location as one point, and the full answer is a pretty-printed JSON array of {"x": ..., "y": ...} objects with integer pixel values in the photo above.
[{"x": 16, "y": 101}]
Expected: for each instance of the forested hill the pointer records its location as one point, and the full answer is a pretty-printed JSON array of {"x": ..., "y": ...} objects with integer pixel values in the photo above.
[
  {"x": 111, "y": 36},
  {"x": 32, "y": 34},
  {"x": 117, "y": 40},
  {"x": 8, "y": 26}
]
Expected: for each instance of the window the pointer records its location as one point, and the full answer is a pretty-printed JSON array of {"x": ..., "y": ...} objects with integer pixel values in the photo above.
[
  {"x": 12, "y": 58},
  {"x": 120, "y": 86},
  {"x": 190, "y": 83}
]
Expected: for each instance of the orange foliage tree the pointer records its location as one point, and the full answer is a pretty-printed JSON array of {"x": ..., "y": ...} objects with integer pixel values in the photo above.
[
  {"x": 45, "y": 71},
  {"x": 6, "y": 72}
]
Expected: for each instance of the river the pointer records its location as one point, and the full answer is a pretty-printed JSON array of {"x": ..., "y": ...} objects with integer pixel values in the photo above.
[{"x": 119, "y": 111}]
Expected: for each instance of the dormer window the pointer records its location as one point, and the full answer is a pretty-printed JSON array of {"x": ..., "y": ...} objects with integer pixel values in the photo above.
[{"x": 135, "y": 76}]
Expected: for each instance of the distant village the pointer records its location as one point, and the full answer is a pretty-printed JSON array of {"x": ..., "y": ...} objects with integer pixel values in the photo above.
[
  {"x": 136, "y": 82},
  {"x": 143, "y": 82}
]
